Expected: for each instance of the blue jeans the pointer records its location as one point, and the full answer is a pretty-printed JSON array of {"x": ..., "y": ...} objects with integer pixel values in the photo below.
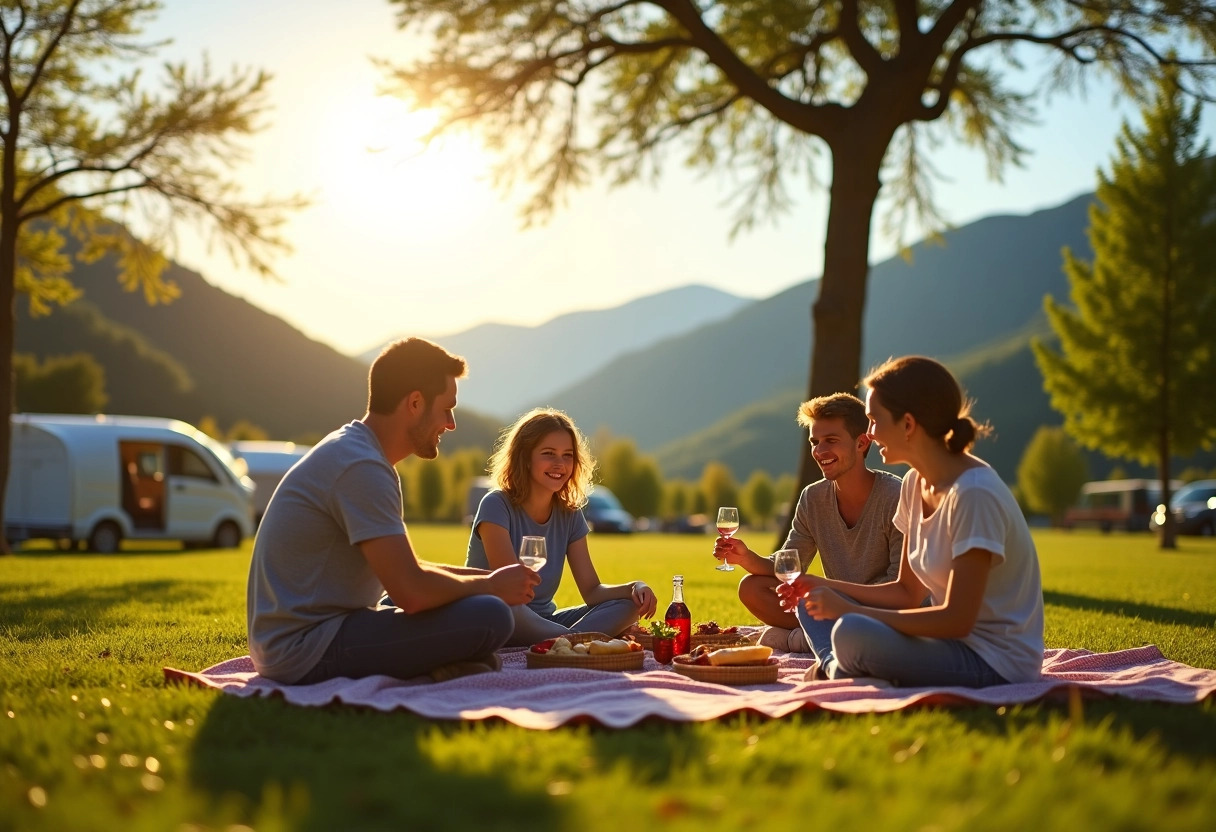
[
  {"x": 388, "y": 641},
  {"x": 610, "y": 617},
  {"x": 857, "y": 645}
]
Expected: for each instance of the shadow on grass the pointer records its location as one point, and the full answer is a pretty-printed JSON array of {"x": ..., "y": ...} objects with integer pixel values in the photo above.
[
  {"x": 29, "y": 611},
  {"x": 1187, "y": 731},
  {"x": 347, "y": 768},
  {"x": 1129, "y": 609}
]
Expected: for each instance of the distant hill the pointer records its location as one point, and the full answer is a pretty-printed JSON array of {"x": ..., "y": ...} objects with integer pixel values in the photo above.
[
  {"x": 573, "y": 346},
  {"x": 210, "y": 353},
  {"x": 985, "y": 284}
]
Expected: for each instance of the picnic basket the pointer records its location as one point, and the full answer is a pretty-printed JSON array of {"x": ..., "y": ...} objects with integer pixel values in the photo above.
[
  {"x": 739, "y": 674},
  {"x": 603, "y": 661}
]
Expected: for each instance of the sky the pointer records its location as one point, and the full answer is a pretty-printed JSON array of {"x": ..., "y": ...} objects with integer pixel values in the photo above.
[{"x": 401, "y": 240}]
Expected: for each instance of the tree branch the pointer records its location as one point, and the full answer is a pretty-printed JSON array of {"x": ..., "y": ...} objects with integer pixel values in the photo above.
[
  {"x": 862, "y": 50},
  {"x": 69, "y": 15},
  {"x": 57, "y": 203},
  {"x": 748, "y": 82}
]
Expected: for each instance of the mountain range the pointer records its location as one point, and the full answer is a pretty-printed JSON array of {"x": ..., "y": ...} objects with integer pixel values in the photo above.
[
  {"x": 513, "y": 367},
  {"x": 691, "y": 375}
]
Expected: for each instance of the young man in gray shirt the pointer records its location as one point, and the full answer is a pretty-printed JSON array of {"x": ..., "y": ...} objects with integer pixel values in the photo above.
[
  {"x": 846, "y": 518},
  {"x": 333, "y": 540}
]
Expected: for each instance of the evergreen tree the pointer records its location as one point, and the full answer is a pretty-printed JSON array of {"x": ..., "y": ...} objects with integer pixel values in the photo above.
[
  {"x": 1051, "y": 473},
  {"x": 1135, "y": 376}
]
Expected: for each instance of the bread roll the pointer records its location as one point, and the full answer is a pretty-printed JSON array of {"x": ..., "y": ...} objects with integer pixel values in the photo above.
[
  {"x": 616, "y": 645},
  {"x": 751, "y": 654}
]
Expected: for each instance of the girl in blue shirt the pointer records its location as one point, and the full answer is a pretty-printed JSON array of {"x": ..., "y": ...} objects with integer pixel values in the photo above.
[{"x": 542, "y": 473}]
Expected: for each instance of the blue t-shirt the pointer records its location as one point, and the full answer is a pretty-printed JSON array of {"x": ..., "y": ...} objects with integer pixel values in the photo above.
[
  {"x": 308, "y": 572},
  {"x": 563, "y": 528}
]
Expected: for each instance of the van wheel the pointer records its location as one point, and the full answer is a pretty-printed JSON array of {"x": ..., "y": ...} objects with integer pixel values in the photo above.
[
  {"x": 106, "y": 538},
  {"x": 227, "y": 536}
]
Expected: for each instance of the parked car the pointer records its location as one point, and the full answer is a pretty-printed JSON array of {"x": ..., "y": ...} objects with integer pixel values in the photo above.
[
  {"x": 102, "y": 479},
  {"x": 266, "y": 462},
  {"x": 1116, "y": 504},
  {"x": 605, "y": 514},
  {"x": 1194, "y": 509}
]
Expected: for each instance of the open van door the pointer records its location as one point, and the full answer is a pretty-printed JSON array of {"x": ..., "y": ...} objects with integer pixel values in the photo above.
[{"x": 143, "y": 484}]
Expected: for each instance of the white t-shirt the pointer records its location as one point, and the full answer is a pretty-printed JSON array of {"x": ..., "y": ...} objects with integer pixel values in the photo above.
[{"x": 979, "y": 512}]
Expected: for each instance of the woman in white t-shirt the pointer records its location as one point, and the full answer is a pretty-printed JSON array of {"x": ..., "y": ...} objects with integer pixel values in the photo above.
[{"x": 967, "y": 607}]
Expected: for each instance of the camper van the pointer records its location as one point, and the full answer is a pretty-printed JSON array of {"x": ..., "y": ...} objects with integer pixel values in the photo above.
[
  {"x": 1116, "y": 504},
  {"x": 266, "y": 463},
  {"x": 103, "y": 479}
]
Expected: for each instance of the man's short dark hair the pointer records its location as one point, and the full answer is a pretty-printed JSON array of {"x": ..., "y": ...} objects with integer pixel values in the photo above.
[
  {"x": 408, "y": 365},
  {"x": 844, "y": 406}
]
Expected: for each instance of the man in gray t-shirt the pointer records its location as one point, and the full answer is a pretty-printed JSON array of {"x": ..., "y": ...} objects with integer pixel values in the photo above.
[
  {"x": 846, "y": 518},
  {"x": 332, "y": 541}
]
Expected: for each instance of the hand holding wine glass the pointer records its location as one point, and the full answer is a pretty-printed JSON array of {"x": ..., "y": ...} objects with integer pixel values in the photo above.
[
  {"x": 532, "y": 553},
  {"x": 728, "y": 524},
  {"x": 787, "y": 565}
]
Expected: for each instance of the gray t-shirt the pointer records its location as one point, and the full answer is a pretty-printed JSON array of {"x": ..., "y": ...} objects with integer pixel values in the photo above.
[
  {"x": 867, "y": 553},
  {"x": 563, "y": 528},
  {"x": 308, "y": 572}
]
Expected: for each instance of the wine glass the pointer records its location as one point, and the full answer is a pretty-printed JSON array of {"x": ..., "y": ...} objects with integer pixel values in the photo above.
[
  {"x": 532, "y": 552},
  {"x": 728, "y": 524},
  {"x": 787, "y": 566}
]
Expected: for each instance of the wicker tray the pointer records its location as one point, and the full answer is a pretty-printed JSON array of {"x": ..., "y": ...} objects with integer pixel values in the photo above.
[
  {"x": 605, "y": 661},
  {"x": 719, "y": 640},
  {"x": 741, "y": 674},
  {"x": 716, "y": 640}
]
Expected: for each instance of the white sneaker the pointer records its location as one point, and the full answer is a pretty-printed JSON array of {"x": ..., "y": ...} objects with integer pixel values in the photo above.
[{"x": 777, "y": 638}]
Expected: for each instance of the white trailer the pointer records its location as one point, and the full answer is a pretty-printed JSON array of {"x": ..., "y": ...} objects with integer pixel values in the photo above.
[{"x": 101, "y": 479}]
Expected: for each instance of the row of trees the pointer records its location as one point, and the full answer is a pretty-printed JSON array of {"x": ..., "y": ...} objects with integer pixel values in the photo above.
[{"x": 438, "y": 489}]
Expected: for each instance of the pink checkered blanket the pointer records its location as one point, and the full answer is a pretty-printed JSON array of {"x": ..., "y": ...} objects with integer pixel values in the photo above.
[{"x": 549, "y": 698}]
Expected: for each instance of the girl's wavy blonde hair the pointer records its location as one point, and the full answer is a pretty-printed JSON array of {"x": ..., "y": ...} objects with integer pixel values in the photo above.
[{"x": 510, "y": 466}]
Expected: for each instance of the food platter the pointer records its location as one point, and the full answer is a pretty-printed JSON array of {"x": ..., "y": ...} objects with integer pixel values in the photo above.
[
  {"x": 713, "y": 640},
  {"x": 602, "y": 661},
  {"x": 719, "y": 640},
  {"x": 739, "y": 674}
]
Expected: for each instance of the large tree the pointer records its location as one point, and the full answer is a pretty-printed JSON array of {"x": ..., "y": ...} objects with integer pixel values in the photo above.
[
  {"x": 1135, "y": 375},
  {"x": 85, "y": 145},
  {"x": 759, "y": 87}
]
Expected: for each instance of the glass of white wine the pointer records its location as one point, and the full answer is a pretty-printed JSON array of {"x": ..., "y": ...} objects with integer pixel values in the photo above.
[
  {"x": 787, "y": 566},
  {"x": 728, "y": 524},
  {"x": 532, "y": 553}
]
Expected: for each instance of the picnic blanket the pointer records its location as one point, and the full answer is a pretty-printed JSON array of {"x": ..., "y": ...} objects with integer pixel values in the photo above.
[{"x": 549, "y": 698}]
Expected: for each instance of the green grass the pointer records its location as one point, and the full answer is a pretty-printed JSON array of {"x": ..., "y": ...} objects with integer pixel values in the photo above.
[{"x": 91, "y": 738}]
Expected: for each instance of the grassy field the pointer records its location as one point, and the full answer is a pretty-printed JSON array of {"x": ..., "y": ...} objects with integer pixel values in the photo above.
[{"x": 92, "y": 739}]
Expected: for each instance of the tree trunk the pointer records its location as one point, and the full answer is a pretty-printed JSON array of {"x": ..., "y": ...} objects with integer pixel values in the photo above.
[
  {"x": 836, "y": 315},
  {"x": 9, "y": 226},
  {"x": 1169, "y": 532}
]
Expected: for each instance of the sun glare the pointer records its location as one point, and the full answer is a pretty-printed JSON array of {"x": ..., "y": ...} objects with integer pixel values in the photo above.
[{"x": 381, "y": 169}]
